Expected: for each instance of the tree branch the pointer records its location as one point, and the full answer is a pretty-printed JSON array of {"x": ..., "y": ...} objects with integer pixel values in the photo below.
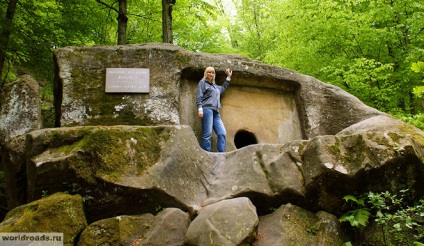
[{"x": 108, "y": 6}]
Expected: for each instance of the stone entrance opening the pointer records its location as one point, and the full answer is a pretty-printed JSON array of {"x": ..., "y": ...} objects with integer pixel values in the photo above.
[
  {"x": 244, "y": 138},
  {"x": 266, "y": 106}
]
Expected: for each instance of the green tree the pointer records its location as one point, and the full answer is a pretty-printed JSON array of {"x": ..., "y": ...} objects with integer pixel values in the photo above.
[
  {"x": 251, "y": 30},
  {"x": 5, "y": 35},
  {"x": 122, "y": 18},
  {"x": 418, "y": 67},
  {"x": 146, "y": 24},
  {"x": 365, "y": 47},
  {"x": 200, "y": 26},
  {"x": 167, "y": 6}
]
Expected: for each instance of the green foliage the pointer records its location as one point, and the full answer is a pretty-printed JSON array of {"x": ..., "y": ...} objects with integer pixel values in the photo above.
[
  {"x": 365, "y": 47},
  {"x": 251, "y": 30},
  {"x": 416, "y": 120},
  {"x": 359, "y": 215},
  {"x": 418, "y": 91},
  {"x": 196, "y": 27},
  {"x": 400, "y": 222},
  {"x": 369, "y": 79},
  {"x": 144, "y": 22},
  {"x": 418, "y": 67}
]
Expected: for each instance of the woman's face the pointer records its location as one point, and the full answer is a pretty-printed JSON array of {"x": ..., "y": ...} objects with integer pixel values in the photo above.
[{"x": 210, "y": 75}]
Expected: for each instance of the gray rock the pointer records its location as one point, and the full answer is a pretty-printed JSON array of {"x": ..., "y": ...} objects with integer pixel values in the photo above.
[
  {"x": 262, "y": 172},
  {"x": 169, "y": 228},
  {"x": 378, "y": 154},
  {"x": 133, "y": 153},
  {"x": 111, "y": 166},
  {"x": 292, "y": 225},
  {"x": 228, "y": 222},
  {"x": 20, "y": 108},
  {"x": 120, "y": 230},
  {"x": 156, "y": 166},
  {"x": 273, "y": 104},
  {"x": 14, "y": 168},
  {"x": 56, "y": 213},
  {"x": 134, "y": 169},
  {"x": 166, "y": 228}
]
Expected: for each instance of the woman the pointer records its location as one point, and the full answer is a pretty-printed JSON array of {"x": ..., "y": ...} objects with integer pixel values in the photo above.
[{"x": 208, "y": 101}]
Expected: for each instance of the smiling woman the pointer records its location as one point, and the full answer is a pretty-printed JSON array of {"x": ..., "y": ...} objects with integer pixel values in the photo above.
[{"x": 208, "y": 101}]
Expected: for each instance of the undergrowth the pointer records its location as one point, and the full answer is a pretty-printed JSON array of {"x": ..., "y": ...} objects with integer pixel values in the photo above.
[{"x": 398, "y": 220}]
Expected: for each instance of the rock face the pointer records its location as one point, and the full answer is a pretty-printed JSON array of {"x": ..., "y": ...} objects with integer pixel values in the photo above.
[
  {"x": 265, "y": 104},
  {"x": 132, "y": 155},
  {"x": 292, "y": 225},
  {"x": 20, "y": 109},
  {"x": 133, "y": 169},
  {"x": 166, "y": 228},
  {"x": 14, "y": 167},
  {"x": 230, "y": 222},
  {"x": 58, "y": 213}
]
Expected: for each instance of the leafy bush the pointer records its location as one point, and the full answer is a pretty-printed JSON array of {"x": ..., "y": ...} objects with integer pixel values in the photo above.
[
  {"x": 415, "y": 120},
  {"x": 400, "y": 222},
  {"x": 359, "y": 216}
]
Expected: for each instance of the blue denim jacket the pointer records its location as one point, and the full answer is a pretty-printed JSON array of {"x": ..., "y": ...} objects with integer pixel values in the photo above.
[{"x": 209, "y": 95}]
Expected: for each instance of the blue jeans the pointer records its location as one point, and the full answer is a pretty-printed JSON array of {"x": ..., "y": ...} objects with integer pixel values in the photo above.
[{"x": 212, "y": 120}]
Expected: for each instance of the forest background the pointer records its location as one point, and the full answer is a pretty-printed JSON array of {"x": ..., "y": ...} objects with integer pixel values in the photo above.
[{"x": 373, "y": 49}]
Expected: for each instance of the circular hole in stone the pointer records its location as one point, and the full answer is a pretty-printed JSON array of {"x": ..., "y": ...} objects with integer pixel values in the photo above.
[{"x": 244, "y": 138}]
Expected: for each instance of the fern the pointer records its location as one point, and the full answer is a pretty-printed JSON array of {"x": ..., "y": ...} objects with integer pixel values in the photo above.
[
  {"x": 357, "y": 201},
  {"x": 359, "y": 216}
]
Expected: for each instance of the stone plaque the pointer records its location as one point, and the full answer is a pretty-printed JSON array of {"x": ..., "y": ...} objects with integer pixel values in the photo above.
[{"x": 127, "y": 80}]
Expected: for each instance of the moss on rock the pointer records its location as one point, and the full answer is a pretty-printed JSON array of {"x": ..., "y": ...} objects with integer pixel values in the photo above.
[
  {"x": 121, "y": 230},
  {"x": 59, "y": 212},
  {"x": 111, "y": 152}
]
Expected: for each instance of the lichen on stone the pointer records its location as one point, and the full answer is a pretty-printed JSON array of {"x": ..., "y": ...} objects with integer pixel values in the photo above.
[{"x": 110, "y": 152}]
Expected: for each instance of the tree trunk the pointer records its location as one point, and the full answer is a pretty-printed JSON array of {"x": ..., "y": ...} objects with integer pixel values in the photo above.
[
  {"x": 167, "y": 20},
  {"x": 5, "y": 34},
  {"x": 122, "y": 22}
]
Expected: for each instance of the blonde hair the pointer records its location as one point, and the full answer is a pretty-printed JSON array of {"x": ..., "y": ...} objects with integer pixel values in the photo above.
[{"x": 209, "y": 69}]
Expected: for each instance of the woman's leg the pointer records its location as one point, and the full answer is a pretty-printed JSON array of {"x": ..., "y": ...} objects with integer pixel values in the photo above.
[
  {"x": 218, "y": 127},
  {"x": 207, "y": 123}
]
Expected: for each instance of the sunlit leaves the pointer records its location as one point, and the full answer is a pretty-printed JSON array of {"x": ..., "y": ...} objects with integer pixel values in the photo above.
[
  {"x": 144, "y": 21},
  {"x": 417, "y": 66},
  {"x": 200, "y": 26},
  {"x": 364, "y": 46}
]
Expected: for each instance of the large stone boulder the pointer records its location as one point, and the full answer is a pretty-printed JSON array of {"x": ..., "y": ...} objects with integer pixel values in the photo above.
[
  {"x": 120, "y": 230},
  {"x": 228, "y": 223},
  {"x": 266, "y": 104},
  {"x": 308, "y": 144},
  {"x": 292, "y": 225},
  {"x": 109, "y": 165},
  {"x": 14, "y": 167},
  {"x": 20, "y": 113},
  {"x": 60, "y": 212},
  {"x": 378, "y": 154},
  {"x": 20, "y": 108},
  {"x": 155, "y": 166},
  {"x": 134, "y": 169},
  {"x": 166, "y": 228}
]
